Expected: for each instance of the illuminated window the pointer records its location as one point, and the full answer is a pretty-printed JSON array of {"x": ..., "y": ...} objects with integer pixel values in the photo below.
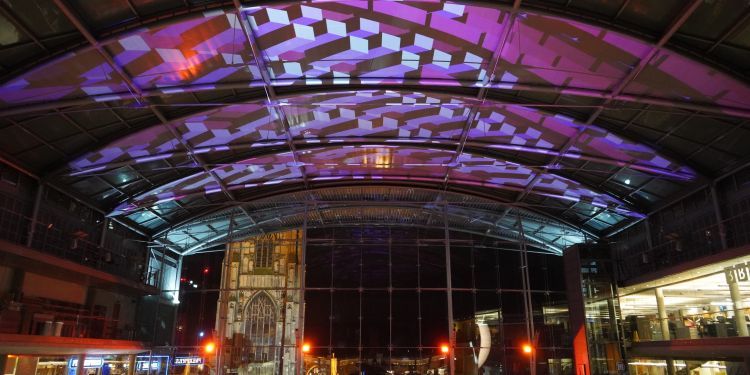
[
  {"x": 260, "y": 330},
  {"x": 264, "y": 253}
]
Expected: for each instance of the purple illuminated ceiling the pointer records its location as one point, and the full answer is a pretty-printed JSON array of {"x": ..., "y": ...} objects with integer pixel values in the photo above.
[
  {"x": 380, "y": 163},
  {"x": 373, "y": 42},
  {"x": 368, "y": 135},
  {"x": 385, "y": 116}
]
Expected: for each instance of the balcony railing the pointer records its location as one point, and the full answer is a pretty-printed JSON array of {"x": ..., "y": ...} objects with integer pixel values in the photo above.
[
  {"x": 53, "y": 235},
  {"x": 37, "y": 316}
]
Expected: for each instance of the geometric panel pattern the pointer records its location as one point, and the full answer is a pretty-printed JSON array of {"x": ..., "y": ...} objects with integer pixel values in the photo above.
[
  {"x": 379, "y": 39},
  {"x": 376, "y": 42},
  {"x": 383, "y": 116},
  {"x": 380, "y": 163}
]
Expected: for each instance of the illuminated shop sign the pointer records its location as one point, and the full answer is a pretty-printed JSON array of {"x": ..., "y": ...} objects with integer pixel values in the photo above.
[
  {"x": 183, "y": 361},
  {"x": 143, "y": 365},
  {"x": 94, "y": 362},
  {"x": 738, "y": 272}
]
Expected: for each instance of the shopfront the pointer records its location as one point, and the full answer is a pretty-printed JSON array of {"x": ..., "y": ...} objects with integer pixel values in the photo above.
[{"x": 708, "y": 302}]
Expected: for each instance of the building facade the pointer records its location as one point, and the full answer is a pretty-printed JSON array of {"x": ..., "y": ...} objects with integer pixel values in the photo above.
[{"x": 259, "y": 304}]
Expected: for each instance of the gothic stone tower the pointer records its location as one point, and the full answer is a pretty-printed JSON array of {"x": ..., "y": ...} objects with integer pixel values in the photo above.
[{"x": 259, "y": 306}]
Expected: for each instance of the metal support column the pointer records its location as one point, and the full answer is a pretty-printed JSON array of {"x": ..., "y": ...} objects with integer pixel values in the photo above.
[
  {"x": 449, "y": 292},
  {"x": 176, "y": 299},
  {"x": 527, "y": 304},
  {"x": 224, "y": 290},
  {"x": 719, "y": 217},
  {"x": 301, "y": 320},
  {"x": 646, "y": 257},
  {"x": 35, "y": 215},
  {"x": 103, "y": 237}
]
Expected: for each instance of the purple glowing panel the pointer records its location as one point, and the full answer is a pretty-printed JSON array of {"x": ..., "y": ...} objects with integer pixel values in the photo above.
[
  {"x": 205, "y": 50},
  {"x": 199, "y": 53},
  {"x": 514, "y": 176},
  {"x": 377, "y": 40},
  {"x": 377, "y": 113},
  {"x": 525, "y": 129},
  {"x": 383, "y": 116},
  {"x": 673, "y": 76},
  {"x": 252, "y": 172},
  {"x": 549, "y": 50},
  {"x": 209, "y": 131},
  {"x": 375, "y": 162},
  {"x": 75, "y": 75}
]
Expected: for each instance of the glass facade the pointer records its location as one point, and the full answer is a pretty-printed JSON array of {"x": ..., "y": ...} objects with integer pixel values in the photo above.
[{"x": 388, "y": 299}]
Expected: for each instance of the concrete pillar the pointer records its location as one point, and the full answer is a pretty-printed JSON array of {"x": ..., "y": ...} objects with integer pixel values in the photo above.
[
  {"x": 662, "y": 313},
  {"x": 131, "y": 364},
  {"x": 80, "y": 370},
  {"x": 739, "y": 312}
]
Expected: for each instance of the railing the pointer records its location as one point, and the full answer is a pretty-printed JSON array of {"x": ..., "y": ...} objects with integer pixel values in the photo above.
[
  {"x": 36, "y": 316},
  {"x": 52, "y": 235},
  {"x": 677, "y": 248}
]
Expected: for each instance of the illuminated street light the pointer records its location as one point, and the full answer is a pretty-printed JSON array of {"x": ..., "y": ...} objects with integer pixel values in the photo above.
[
  {"x": 444, "y": 349},
  {"x": 305, "y": 348},
  {"x": 527, "y": 348}
]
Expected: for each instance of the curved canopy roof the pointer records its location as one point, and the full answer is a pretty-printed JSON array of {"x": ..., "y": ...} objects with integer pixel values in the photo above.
[{"x": 167, "y": 115}]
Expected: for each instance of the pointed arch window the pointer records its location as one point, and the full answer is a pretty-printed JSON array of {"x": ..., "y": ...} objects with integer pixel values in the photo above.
[
  {"x": 264, "y": 253},
  {"x": 260, "y": 331}
]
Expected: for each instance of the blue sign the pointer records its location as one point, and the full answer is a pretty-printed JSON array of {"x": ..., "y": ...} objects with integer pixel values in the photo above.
[
  {"x": 142, "y": 362},
  {"x": 93, "y": 362},
  {"x": 143, "y": 365}
]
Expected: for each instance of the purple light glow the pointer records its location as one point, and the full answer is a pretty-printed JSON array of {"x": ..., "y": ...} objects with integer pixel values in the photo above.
[
  {"x": 380, "y": 43},
  {"x": 379, "y": 163}
]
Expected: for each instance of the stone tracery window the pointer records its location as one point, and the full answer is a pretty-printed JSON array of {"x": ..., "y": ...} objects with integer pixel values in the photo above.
[
  {"x": 264, "y": 253},
  {"x": 260, "y": 331}
]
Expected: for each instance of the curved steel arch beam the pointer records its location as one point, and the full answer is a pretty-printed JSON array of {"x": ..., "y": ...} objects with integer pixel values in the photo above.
[
  {"x": 473, "y": 148},
  {"x": 421, "y": 210},
  {"x": 468, "y": 100},
  {"x": 376, "y": 224},
  {"x": 422, "y": 187},
  {"x": 129, "y": 207},
  {"x": 267, "y": 215},
  {"x": 448, "y": 144},
  {"x": 410, "y": 142}
]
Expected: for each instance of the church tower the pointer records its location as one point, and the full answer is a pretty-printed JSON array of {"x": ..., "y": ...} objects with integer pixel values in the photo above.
[{"x": 259, "y": 304}]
